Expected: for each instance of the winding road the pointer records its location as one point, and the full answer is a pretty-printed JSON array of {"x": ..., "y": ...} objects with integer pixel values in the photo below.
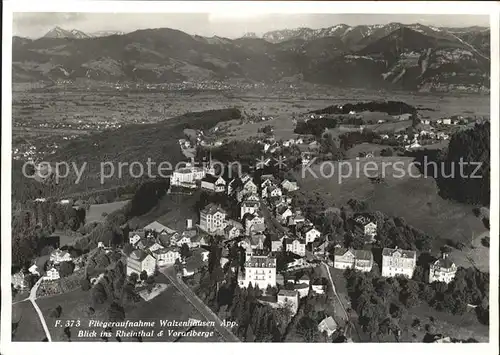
[
  {"x": 32, "y": 298},
  {"x": 204, "y": 310}
]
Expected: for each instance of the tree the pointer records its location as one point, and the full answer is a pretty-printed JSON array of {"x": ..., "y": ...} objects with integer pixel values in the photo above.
[
  {"x": 409, "y": 294},
  {"x": 150, "y": 280},
  {"x": 184, "y": 251},
  {"x": 98, "y": 294},
  {"x": 116, "y": 313},
  {"x": 427, "y": 293},
  {"x": 56, "y": 312},
  {"x": 66, "y": 268},
  {"x": 357, "y": 241},
  {"x": 133, "y": 278},
  {"x": 144, "y": 275},
  {"x": 85, "y": 284},
  {"x": 386, "y": 152},
  {"x": 127, "y": 249},
  {"x": 308, "y": 329}
]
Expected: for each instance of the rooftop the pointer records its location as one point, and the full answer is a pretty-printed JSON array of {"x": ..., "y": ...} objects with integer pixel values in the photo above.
[
  {"x": 328, "y": 323},
  {"x": 261, "y": 261},
  {"x": 407, "y": 254},
  {"x": 444, "y": 263},
  {"x": 212, "y": 208},
  {"x": 138, "y": 255},
  {"x": 158, "y": 227},
  {"x": 363, "y": 254},
  {"x": 211, "y": 178},
  {"x": 288, "y": 293},
  {"x": 165, "y": 250}
]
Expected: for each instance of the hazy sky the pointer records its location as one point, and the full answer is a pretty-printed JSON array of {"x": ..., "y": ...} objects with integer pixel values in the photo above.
[{"x": 226, "y": 25}]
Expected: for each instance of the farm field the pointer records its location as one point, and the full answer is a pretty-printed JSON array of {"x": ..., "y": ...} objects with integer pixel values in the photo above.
[
  {"x": 414, "y": 199},
  {"x": 397, "y": 126},
  {"x": 95, "y": 212},
  {"x": 366, "y": 148},
  {"x": 171, "y": 211},
  {"x": 67, "y": 237},
  {"x": 169, "y": 305},
  {"x": 283, "y": 126},
  {"x": 79, "y": 107},
  {"x": 461, "y": 327},
  {"x": 25, "y": 322}
]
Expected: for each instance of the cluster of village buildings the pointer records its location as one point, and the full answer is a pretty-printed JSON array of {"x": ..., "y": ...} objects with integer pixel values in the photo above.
[
  {"x": 261, "y": 203},
  {"x": 250, "y": 232}
]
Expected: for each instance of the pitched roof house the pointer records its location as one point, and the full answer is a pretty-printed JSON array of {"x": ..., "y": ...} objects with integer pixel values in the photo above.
[
  {"x": 289, "y": 185},
  {"x": 310, "y": 233},
  {"x": 212, "y": 218},
  {"x": 139, "y": 261},
  {"x": 166, "y": 256},
  {"x": 135, "y": 236},
  {"x": 283, "y": 213},
  {"x": 254, "y": 223},
  {"x": 442, "y": 270},
  {"x": 231, "y": 232},
  {"x": 327, "y": 325},
  {"x": 249, "y": 206},
  {"x": 369, "y": 226},
  {"x": 158, "y": 227},
  {"x": 296, "y": 246},
  {"x": 213, "y": 183}
]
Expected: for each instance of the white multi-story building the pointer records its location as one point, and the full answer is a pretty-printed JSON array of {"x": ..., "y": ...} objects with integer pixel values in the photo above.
[
  {"x": 166, "y": 256},
  {"x": 58, "y": 256},
  {"x": 188, "y": 175},
  {"x": 249, "y": 206},
  {"x": 296, "y": 246},
  {"x": 398, "y": 262},
  {"x": 139, "y": 261},
  {"x": 442, "y": 270},
  {"x": 52, "y": 274},
  {"x": 249, "y": 187},
  {"x": 311, "y": 234},
  {"x": 212, "y": 218},
  {"x": 260, "y": 271},
  {"x": 254, "y": 223},
  {"x": 361, "y": 260}
]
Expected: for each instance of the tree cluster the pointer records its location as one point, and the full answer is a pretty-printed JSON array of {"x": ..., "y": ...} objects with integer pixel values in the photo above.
[{"x": 316, "y": 126}]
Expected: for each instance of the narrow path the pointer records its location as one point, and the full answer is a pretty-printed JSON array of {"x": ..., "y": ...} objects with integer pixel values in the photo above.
[
  {"x": 334, "y": 290},
  {"x": 32, "y": 298},
  {"x": 349, "y": 320},
  {"x": 204, "y": 310}
]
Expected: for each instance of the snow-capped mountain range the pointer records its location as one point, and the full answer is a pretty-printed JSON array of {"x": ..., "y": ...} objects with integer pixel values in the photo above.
[
  {"x": 354, "y": 34},
  {"x": 58, "y": 32},
  {"x": 408, "y": 57}
]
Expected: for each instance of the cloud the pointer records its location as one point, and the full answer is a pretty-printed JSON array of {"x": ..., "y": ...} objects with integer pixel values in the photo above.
[
  {"x": 229, "y": 24},
  {"x": 47, "y": 18},
  {"x": 34, "y": 23}
]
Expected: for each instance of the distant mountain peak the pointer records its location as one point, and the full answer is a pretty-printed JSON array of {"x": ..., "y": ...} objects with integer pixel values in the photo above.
[
  {"x": 106, "y": 33},
  {"x": 405, "y": 56},
  {"x": 59, "y": 32},
  {"x": 250, "y": 35}
]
